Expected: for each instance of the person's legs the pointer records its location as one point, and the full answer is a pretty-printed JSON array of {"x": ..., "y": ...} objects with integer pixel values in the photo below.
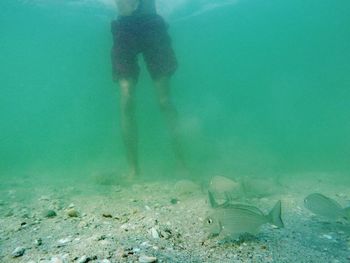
[
  {"x": 161, "y": 64},
  {"x": 125, "y": 71},
  {"x": 162, "y": 86},
  {"x": 128, "y": 124}
]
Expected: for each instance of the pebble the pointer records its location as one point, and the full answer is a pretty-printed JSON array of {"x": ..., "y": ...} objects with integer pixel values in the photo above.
[
  {"x": 154, "y": 233},
  {"x": 145, "y": 244},
  {"x": 38, "y": 242},
  {"x": 83, "y": 259},
  {"x": 107, "y": 215},
  {"x": 44, "y": 198},
  {"x": 50, "y": 213},
  {"x": 147, "y": 259},
  {"x": 82, "y": 224},
  {"x": 100, "y": 237},
  {"x": 18, "y": 252},
  {"x": 117, "y": 189},
  {"x": 174, "y": 201},
  {"x": 104, "y": 261},
  {"x": 327, "y": 236},
  {"x": 125, "y": 227},
  {"x": 136, "y": 249},
  {"x": 166, "y": 233},
  {"x": 71, "y": 212},
  {"x": 59, "y": 259},
  {"x": 64, "y": 241}
]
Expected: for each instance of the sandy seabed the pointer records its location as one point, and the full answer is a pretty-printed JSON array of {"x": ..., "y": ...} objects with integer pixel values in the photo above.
[{"x": 155, "y": 221}]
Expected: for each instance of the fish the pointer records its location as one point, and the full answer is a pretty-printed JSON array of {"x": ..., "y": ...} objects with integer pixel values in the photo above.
[
  {"x": 233, "y": 220},
  {"x": 327, "y": 207},
  {"x": 224, "y": 188},
  {"x": 260, "y": 187},
  {"x": 185, "y": 187}
]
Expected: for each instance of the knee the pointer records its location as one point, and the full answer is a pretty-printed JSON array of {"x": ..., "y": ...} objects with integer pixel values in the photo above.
[
  {"x": 126, "y": 95},
  {"x": 126, "y": 88}
]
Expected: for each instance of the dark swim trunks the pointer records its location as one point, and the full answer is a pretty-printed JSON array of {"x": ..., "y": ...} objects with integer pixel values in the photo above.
[{"x": 146, "y": 35}]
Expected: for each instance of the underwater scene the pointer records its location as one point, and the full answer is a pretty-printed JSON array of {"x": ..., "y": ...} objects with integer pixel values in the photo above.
[{"x": 174, "y": 131}]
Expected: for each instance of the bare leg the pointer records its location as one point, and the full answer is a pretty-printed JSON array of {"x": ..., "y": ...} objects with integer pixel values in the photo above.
[
  {"x": 128, "y": 124},
  {"x": 162, "y": 86}
]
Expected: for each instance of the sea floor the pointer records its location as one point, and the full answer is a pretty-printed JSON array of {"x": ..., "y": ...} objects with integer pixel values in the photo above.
[{"x": 158, "y": 221}]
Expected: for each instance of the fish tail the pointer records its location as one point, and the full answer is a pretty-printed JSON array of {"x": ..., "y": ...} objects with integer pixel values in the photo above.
[
  {"x": 212, "y": 201},
  {"x": 275, "y": 215}
]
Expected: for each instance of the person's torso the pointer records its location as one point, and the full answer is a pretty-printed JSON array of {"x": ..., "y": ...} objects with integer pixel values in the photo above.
[{"x": 136, "y": 7}]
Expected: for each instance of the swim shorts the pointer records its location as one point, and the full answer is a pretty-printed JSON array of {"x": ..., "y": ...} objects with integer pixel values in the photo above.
[{"x": 146, "y": 35}]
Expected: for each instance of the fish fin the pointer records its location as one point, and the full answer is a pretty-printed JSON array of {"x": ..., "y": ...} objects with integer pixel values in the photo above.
[
  {"x": 275, "y": 215},
  {"x": 228, "y": 198},
  {"x": 212, "y": 201}
]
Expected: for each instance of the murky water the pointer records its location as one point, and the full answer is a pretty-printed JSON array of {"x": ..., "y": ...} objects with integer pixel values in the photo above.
[
  {"x": 263, "y": 95},
  {"x": 262, "y": 88}
]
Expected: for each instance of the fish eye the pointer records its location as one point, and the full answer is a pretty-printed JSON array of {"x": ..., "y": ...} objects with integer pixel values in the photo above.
[{"x": 209, "y": 221}]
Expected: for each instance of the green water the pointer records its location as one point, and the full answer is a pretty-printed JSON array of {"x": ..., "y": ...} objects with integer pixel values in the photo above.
[{"x": 262, "y": 88}]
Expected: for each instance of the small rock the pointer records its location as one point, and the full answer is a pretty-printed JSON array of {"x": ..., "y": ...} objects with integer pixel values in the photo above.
[
  {"x": 82, "y": 224},
  {"x": 59, "y": 260},
  {"x": 104, "y": 261},
  {"x": 166, "y": 233},
  {"x": 71, "y": 212},
  {"x": 136, "y": 250},
  {"x": 174, "y": 201},
  {"x": 147, "y": 259},
  {"x": 50, "y": 213},
  {"x": 64, "y": 241},
  {"x": 117, "y": 189},
  {"x": 83, "y": 259},
  {"x": 107, "y": 215},
  {"x": 327, "y": 236},
  {"x": 101, "y": 237},
  {"x": 44, "y": 198},
  {"x": 125, "y": 227},
  {"x": 18, "y": 252},
  {"x": 145, "y": 244},
  {"x": 38, "y": 242},
  {"x": 154, "y": 233},
  {"x": 56, "y": 260}
]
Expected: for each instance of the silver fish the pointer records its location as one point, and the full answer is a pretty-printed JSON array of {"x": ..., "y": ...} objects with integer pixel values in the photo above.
[
  {"x": 224, "y": 188},
  {"x": 326, "y": 207},
  {"x": 236, "y": 219}
]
